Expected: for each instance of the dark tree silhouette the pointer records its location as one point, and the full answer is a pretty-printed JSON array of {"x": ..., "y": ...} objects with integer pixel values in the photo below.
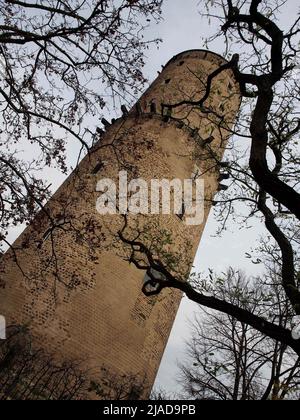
[
  {"x": 227, "y": 359},
  {"x": 28, "y": 373}
]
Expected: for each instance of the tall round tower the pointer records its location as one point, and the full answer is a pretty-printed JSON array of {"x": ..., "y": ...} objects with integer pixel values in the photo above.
[{"x": 69, "y": 277}]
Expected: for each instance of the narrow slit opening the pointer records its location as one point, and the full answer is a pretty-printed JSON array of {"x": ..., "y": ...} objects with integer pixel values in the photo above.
[{"x": 97, "y": 168}]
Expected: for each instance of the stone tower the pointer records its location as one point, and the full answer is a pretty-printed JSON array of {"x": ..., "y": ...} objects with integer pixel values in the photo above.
[{"x": 70, "y": 279}]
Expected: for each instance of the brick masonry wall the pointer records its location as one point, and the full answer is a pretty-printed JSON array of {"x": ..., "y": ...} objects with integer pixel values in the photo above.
[{"x": 75, "y": 290}]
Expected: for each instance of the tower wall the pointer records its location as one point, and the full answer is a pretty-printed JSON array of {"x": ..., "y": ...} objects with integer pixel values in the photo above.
[{"x": 68, "y": 277}]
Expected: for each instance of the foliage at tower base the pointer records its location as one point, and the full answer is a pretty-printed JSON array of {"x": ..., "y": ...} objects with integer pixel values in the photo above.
[{"x": 28, "y": 373}]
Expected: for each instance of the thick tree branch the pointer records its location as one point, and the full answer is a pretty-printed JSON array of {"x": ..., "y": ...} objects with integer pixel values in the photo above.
[{"x": 272, "y": 330}]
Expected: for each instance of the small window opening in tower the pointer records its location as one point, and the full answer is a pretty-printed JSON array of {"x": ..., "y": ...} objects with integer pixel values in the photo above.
[
  {"x": 47, "y": 234},
  {"x": 167, "y": 81},
  {"x": 222, "y": 106},
  {"x": 97, "y": 168},
  {"x": 181, "y": 63}
]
